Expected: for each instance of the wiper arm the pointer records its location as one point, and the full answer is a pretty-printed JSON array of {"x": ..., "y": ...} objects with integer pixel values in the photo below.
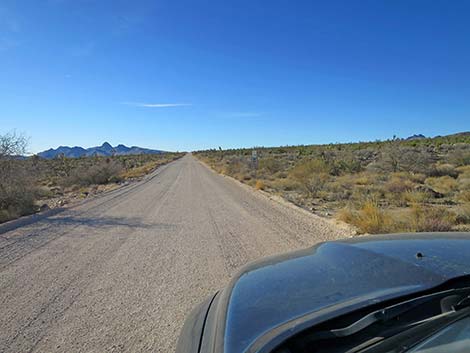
[
  {"x": 408, "y": 338},
  {"x": 394, "y": 311}
]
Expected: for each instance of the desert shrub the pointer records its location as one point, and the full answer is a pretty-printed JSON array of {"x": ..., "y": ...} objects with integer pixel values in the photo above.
[
  {"x": 340, "y": 161},
  {"x": 285, "y": 184},
  {"x": 346, "y": 215},
  {"x": 417, "y": 177},
  {"x": 340, "y": 183},
  {"x": 43, "y": 193},
  {"x": 271, "y": 165},
  {"x": 409, "y": 176},
  {"x": 464, "y": 181},
  {"x": 444, "y": 184},
  {"x": 362, "y": 180},
  {"x": 398, "y": 185},
  {"x": 235, "y": 165},
  {"x": 100, "y": 173},
  {"x": 242, "y": 176},
  {"x": 365, "y": 155},
  {"x": 439, "y": 170},
  {"x": 396, "y": 158},
  {"x": 363, "y": 194},
  {"x": 17, "y": 197},
  {"x": 342, "y": 165},
  {"x": 136, "y": 166},
  {"x": 339, "y": 195},
  {"x": 369, "y": 219},
  {"x": 464, "y": 196},
  {"x": 413, "y": 196},
  {"x": 305, "y": 168},
  {"x": 431, "y": 219},
  {"x": 460, "y": 156},
  {"x": 463, "y": 213},
  {"x": 313, "y": 183},
  {"x": 464, "y": 170},
  {"x": 311, "y": 174},
  {"x": 339, "y": 189},
  {"x": 395, "y": 199},
  {"x": 396, "y": 188}
]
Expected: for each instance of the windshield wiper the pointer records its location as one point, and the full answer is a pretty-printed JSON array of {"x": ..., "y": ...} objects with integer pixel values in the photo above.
[
  {"x": 375, "y": 326},
  {"x": 408, "y": 338}
]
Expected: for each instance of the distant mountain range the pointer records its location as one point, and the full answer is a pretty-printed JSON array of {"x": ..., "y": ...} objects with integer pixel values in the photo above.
[
  {"x": 415, "y": 137},
  {"x": 104, "y": 150}
]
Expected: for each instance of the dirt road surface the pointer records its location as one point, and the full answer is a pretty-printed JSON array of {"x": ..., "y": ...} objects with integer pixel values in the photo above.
[{"x": 120, "y": 272}]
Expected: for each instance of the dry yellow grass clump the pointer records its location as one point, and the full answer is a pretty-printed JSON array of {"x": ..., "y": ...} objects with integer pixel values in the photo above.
[
  {"x": 369, "y": 219},
  {"x": 260, "y": 185}
]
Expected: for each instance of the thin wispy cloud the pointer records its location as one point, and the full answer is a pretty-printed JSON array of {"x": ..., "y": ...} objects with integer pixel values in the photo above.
[{"x": 156, "y": 105}]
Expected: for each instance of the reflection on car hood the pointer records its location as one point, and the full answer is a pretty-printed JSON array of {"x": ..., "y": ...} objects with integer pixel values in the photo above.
[{"x": 336, "y": 275}]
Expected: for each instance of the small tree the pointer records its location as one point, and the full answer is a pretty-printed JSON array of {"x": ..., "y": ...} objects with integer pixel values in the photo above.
[
  {"x": 12, "y": 144},
  {"x": 16, "y": 190}
]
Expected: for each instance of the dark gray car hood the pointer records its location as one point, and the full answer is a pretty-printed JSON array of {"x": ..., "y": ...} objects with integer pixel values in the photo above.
[{"x": 270, "y": 300}]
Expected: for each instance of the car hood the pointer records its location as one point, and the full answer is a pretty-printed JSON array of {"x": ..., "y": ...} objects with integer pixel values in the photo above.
[{"x": 270, "y": 300}]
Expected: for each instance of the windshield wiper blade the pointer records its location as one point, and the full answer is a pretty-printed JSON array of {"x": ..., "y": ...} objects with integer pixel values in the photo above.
[
  {"x": 412, "y": 336},
  {"x": 389, "y": 313}
]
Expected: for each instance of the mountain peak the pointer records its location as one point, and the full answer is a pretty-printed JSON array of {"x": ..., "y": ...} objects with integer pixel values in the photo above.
[{"x": 106, "y": 145}]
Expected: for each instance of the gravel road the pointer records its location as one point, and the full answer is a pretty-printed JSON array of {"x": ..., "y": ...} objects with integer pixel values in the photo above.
[{"x": 120, "y": 272}]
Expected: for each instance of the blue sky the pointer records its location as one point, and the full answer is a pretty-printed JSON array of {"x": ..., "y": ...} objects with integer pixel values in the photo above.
[{"x": 186, "y": 75}]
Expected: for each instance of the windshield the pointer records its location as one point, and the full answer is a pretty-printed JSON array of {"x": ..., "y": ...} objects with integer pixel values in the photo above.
[{"x": 453, "y": 339}]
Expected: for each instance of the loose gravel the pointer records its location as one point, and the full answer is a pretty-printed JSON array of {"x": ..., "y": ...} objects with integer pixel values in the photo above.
[{"x": 119, "y": 273}]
